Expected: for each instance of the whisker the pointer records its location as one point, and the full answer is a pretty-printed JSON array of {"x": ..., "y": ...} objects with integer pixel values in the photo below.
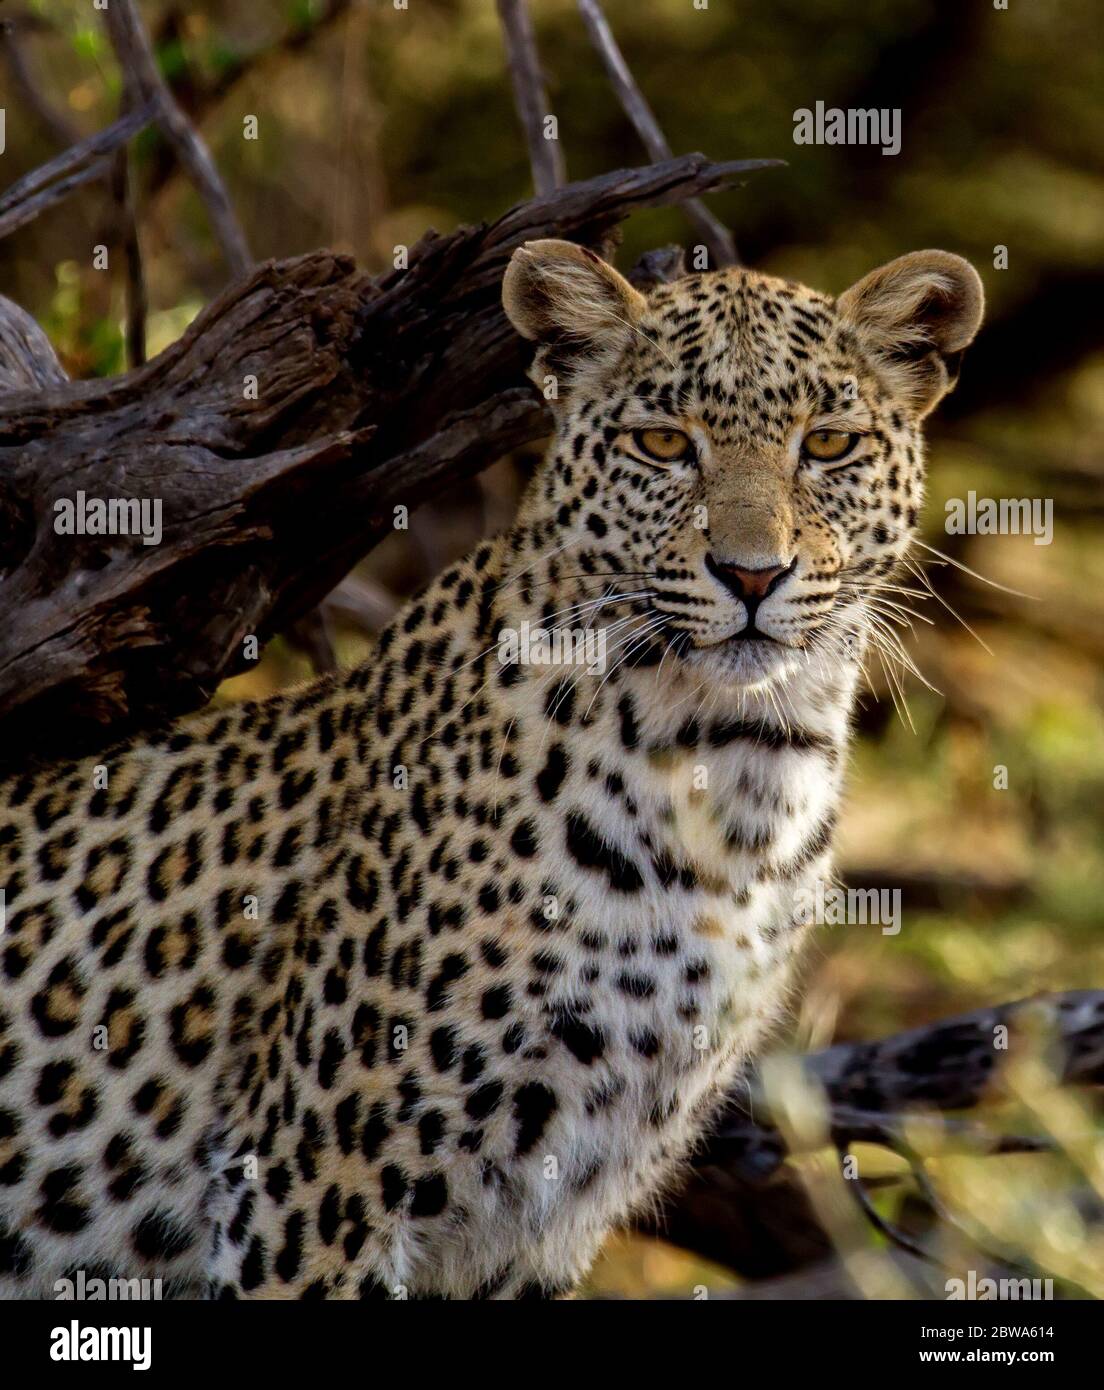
[
  {"x": 654, "y": 625},
  {"x": 556, "y": 550},
  {"x": 950, "y": 608},
  {"x": 993, "y": 584}
]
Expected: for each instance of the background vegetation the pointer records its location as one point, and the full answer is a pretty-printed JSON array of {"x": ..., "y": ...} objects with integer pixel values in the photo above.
[{"x": 377, "y": 123}]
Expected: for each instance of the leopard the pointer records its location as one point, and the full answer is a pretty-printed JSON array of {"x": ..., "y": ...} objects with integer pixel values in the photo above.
[{"x": 418, "y": 980}]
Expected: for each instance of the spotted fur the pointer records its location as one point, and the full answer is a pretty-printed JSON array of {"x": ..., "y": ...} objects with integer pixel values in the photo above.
[{"x": 415, "y": 981}]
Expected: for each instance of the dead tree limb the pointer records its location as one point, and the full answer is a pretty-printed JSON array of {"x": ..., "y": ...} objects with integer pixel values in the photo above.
[
  {"x": 27, "y": 358},
  {"x": 368, "y": 393},
  {"x": 135, "y": 54},
  {"x": 90, "y": 159},
  {"x": 530, "y": 95},
  {"x": 742, "y": 1205},
  {"x": 715, "y": 235},
  {"x": 199, "y": 94}
]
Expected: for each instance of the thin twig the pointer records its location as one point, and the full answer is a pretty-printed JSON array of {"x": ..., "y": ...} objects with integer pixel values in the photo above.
[
  {"x": 856, "y": 1186},
  {"x": 122, "y": 193},
  {"x": 126, "y": 231},
  {"x": 530, "y": 97},
  {"x": 717, "y": 238},
  {"x": 950, "y": 1219},
  {"x": 81, "y": 163},
  {"x": 135, "y": 54},
  {"x": 363, "y": 601}
]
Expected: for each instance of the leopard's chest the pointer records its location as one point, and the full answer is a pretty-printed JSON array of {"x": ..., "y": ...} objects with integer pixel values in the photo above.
[
  {"x": 688, "y": 884},
  {"x": 681, "y": 956}
]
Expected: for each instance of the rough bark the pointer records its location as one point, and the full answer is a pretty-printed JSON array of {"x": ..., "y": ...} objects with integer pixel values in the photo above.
[{"x": 369, "y": 392}]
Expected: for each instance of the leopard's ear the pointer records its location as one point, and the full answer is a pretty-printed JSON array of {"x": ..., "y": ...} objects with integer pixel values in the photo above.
[
  {"x": 555, "y": 292},
  {"x": 917, "y": 314}
]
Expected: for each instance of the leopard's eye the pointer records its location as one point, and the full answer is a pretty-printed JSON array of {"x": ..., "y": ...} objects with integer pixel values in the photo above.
[
  {"x": 826, "y": 446},
  {"x": 665, "y": 446}
]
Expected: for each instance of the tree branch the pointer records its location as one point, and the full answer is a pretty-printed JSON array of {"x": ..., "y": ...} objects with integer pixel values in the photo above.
[
  {"x": 135, "y": 54},
  {"x": 742, "y": 1205},
  {"x": 530, "y": 97},
  {"x": 715, "y": 235},
  {"x": 126, "y": 231},
  {"x": 27, "y": 358},
  {"x": 277, "y": 436},
  {"x": 23, "y": 200},
  {"x": 363, "y": 602}
]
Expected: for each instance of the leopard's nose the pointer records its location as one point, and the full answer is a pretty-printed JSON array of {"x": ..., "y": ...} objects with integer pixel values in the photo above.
[{"x": 749, "y": 584}]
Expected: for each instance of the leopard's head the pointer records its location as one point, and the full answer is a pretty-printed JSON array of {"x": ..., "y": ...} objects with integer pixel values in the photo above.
[{"x": 749, "y": 450}]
